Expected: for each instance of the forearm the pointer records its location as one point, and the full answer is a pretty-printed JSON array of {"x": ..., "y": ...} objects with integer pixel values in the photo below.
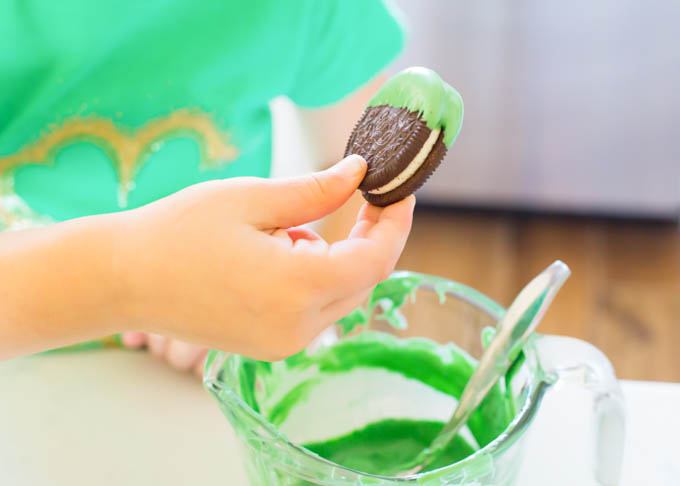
[{"x": 57, "y": 285}]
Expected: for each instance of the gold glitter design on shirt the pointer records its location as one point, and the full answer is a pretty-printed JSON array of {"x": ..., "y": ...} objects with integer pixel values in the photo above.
[
  {"x": 7, "y": 219},
  {"x": 127, "y": 148}
]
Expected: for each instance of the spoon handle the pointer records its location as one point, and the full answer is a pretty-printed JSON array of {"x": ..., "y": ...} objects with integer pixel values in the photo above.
[{"x": 520, "y": 320}]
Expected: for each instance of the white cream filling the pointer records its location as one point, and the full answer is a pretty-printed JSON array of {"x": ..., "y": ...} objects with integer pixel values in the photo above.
[{"x": 411, "y": 168}]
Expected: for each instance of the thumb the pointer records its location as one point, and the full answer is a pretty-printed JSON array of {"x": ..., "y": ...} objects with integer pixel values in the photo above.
[{"x": 282, "y": 203}]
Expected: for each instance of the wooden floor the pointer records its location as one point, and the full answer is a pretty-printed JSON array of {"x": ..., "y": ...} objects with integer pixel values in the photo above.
[{"x": 623, "y": 295}]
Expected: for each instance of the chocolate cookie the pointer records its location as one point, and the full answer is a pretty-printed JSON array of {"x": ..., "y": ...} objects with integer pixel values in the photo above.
[{"x": 404, "y": 133}]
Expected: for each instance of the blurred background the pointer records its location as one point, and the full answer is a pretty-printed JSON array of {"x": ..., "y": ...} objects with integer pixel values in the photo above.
[
  {"x": 570, "y": 107},
  {"x": 570, "y": 149}
]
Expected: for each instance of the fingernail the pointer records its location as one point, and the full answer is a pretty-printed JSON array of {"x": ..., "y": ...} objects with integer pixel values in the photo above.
[{"x": 350, "y": 166}]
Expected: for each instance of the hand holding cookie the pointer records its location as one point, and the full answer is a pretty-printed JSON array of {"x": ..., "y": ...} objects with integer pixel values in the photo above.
[
  {"x": 226, "y": 264},
  {"x": 403, "y": 134}
]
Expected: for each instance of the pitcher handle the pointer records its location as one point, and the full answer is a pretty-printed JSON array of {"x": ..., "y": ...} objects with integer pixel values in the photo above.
[{"x": 571, "y": 362}]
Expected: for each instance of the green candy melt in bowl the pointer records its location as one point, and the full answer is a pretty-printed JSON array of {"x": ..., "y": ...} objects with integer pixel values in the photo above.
[{"x": 375, "y": 389}]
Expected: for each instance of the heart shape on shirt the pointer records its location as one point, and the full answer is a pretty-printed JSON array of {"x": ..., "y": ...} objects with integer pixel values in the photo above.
[{"x": 97, "y": 167}]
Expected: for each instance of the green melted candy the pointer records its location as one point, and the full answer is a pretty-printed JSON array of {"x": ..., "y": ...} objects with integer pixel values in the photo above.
[
  {"x": 422, "y": 90},
  {"x": 381, "y": 444},
  {"x": 384, "y": 445}
]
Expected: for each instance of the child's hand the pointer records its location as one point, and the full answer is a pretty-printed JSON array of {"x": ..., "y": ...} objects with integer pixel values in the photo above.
[
  {"x": 180, "y": 355},
  {"x": 224, "y": 264}
]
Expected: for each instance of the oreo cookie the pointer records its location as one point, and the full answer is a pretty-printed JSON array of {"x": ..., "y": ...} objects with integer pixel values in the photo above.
[{"x": 404, "y": 133}]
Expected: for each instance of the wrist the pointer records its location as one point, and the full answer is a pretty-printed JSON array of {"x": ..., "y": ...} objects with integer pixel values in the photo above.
[
  {"x": 127, "y": 260},
  {"x": 87, "y": 245}
]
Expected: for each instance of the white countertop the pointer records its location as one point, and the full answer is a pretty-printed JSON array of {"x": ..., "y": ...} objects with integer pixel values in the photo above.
[{"x": 115, "y": 417}]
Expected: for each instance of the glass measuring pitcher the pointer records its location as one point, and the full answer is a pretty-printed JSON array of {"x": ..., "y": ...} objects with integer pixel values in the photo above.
[{"x": 291, "y": 416}]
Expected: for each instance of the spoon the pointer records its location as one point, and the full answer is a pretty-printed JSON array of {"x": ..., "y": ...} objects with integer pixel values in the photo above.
[{"x": 519, "y": 321}]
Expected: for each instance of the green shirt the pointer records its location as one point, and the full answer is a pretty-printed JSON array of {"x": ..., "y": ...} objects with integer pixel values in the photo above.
[{"x": 108, "y": 105}]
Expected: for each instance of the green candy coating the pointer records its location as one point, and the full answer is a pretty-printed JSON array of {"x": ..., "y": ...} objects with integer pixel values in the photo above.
[{"x": 421, "y": 90}]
